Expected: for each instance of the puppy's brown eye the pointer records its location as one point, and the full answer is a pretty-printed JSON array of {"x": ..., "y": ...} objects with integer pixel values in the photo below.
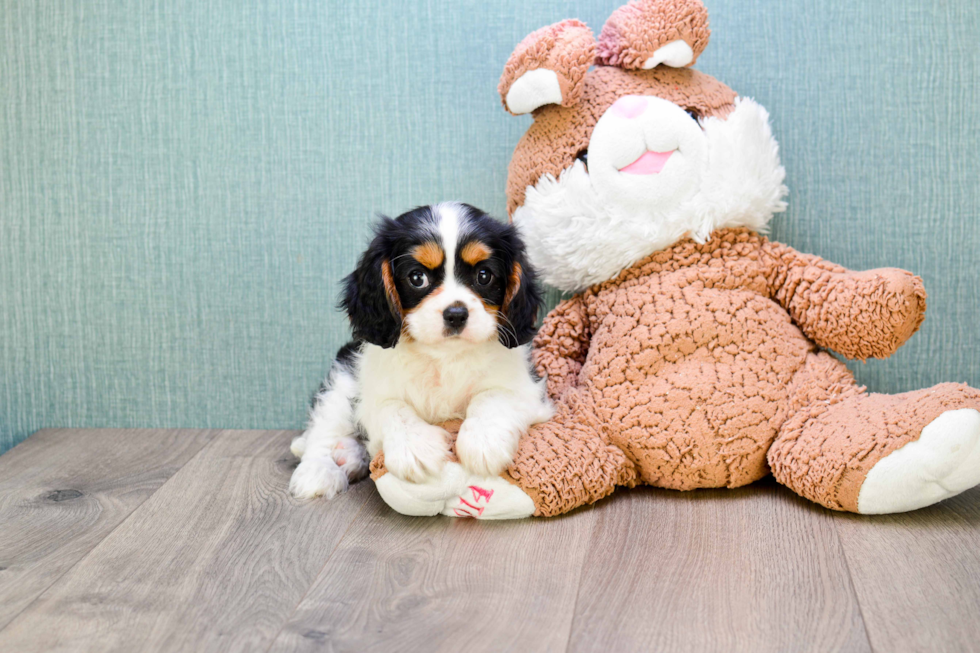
[
  {"x": 484, "y": 276},
  {"x": 418, "y": 279}
]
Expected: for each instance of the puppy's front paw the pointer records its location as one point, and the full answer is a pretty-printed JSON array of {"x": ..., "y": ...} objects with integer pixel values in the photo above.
[
  {"x": 352, "y": 458},
  {"x": 298, "y": 446},
  {"x": 484, "y": 449},
  {"x": 417, "y": 453},
  {"x": 318, "y": 477}
]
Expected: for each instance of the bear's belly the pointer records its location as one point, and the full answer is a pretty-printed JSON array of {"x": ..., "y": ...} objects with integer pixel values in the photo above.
[{"x": 694, "y": 389}]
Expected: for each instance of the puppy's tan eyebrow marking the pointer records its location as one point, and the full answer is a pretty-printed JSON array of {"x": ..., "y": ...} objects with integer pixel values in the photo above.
[
  {"x": 428, "y": 254},
  {"x": 474, "y": 252}
]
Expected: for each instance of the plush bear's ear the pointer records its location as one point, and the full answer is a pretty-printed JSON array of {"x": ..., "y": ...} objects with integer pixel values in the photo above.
[
  {"x": 647, "y": 33},
  {"x": 370, "y": 297},
  {"x": 548, "y": 67}
]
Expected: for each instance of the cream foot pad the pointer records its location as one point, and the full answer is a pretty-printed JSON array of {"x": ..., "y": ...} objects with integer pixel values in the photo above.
[{"x": 456, "y": 494}]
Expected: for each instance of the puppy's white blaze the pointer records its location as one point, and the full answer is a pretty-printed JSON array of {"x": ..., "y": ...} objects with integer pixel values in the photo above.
[
  {"x": 449, "y": 228},
  {"x": 426, "y": 324}
]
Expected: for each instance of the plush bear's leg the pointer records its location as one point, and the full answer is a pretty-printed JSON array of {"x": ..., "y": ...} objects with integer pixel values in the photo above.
[
  {"x": 871, "y": 453},
  {"x": 565, "y": 463}
]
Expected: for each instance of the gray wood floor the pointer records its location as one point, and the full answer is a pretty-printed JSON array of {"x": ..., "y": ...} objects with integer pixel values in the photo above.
[{"x": 145, "y": 540}]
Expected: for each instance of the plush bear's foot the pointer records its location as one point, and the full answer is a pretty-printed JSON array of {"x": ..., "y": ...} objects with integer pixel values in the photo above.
[
  {"x": 455, "y": 493},
  {"x": 943, "y": 462}
]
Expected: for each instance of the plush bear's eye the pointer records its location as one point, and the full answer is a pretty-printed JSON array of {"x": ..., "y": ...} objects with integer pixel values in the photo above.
[
  {"x": 694, "y": 113},
  {"x": 583, "y": 156}
]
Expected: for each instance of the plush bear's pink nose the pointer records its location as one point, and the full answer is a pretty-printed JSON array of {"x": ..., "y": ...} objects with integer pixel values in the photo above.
[{"x": 629, "y": 106}]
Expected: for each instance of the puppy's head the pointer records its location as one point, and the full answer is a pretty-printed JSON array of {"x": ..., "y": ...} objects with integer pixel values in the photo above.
[{"x": 447, "y": 272}]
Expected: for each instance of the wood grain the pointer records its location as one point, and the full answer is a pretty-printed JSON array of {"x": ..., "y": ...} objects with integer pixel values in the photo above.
[
  {"x": 443, "y": 584},
  {"x": 917, "y": 575},
  {"x": 62, "y": 491},
  {"x": 755, "y": 569},
  {"x": 188, "y": 540},
  {"x": 216, "y": 560}
]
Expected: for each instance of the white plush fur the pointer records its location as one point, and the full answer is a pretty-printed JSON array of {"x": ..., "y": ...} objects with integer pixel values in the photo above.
[
  {"x": 582, "y": 228},
  {"x": 396, "y": 395},
  {"x": 533, "y": 89},
  {"x": 675, "y": 54}
]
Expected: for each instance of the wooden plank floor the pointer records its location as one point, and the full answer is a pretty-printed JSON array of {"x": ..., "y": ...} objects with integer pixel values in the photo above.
[{"x": 156, "y": 540}]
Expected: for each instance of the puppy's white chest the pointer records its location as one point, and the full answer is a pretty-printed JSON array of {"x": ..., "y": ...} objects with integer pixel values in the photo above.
[{"x": 440, "y": 392}]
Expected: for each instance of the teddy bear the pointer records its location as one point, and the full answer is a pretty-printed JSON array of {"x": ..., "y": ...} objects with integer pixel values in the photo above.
[{"x": 694, "y": 351}]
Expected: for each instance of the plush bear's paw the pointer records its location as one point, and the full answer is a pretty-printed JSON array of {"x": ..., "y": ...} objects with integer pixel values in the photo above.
[
  {"x": 943, "y": 462},
  {"x": 417, "y": 455},
  {"x": 456, "y": 493},
  {"x": 317, "y": 477}
]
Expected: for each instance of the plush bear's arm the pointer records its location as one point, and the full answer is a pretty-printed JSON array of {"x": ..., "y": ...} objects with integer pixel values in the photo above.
[
  {"x": 858, "y": 314},
  {"x": 562, "y": 344}
]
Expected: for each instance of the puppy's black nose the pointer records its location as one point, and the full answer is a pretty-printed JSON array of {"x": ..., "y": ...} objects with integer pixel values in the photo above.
[{"x": 455, "y": 316}]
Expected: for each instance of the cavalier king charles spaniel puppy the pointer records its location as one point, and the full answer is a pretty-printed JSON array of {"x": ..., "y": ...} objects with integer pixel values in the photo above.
[{"x": 442, "y": 306}]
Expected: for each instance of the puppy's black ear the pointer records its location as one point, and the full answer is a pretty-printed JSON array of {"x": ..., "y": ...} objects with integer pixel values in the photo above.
[
  {"x": 521, "y": 303},
  {"x": 371, "y": 299}
]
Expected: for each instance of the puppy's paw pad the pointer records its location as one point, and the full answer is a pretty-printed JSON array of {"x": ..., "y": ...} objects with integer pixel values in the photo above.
[{"x": 317, "y": 478}]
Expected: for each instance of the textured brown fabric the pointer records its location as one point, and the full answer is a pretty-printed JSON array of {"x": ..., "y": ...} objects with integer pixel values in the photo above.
[
  {"x": 559, "y": 133},
  {"x": 690, "y": 363},
  {"x": 635, "y": 31},
  {"x": 561, "y": 345},
  {"x": 569, "y": 461},
  {"x": 881, "y": 309},
  {"x": 377, "y": 466},
  {"x": 566, "y": 48}
]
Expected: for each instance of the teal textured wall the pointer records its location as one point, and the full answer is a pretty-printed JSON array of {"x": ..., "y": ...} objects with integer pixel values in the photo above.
[{"x": 183, "y": 183}]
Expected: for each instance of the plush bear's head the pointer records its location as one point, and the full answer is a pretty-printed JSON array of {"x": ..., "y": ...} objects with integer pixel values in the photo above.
[{"x": 631, "y": 150}]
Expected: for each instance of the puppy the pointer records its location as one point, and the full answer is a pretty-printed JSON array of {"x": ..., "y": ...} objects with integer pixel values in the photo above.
[{"x": 442, "y": 305}]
